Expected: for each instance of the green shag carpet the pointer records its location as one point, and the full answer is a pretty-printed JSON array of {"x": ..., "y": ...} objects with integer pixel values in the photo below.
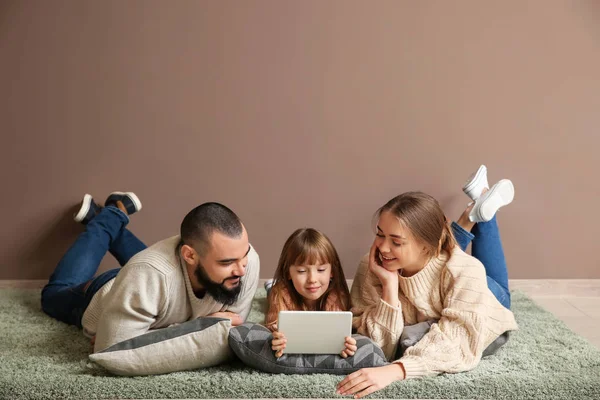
[{"x": 43, "y": 358}]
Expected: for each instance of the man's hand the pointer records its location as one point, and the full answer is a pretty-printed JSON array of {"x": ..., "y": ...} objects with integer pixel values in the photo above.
[
  {"x": 368, "y": 380},
  {"x": 350, "y": 347},
  {"x": 278, "y": 343},
  {"x": 236, "y": 319}
]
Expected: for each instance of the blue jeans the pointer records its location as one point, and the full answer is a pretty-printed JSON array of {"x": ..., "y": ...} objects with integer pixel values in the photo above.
[
  {"x": 487, "y": 248},
  {"x": 72, "y": 285}
]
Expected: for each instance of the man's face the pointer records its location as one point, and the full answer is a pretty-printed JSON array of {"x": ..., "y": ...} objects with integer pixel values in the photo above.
[{"x": 222, "y": 266}]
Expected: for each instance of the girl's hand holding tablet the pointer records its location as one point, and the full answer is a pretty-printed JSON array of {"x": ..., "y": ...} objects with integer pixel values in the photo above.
[
  {"x": 278, "y": 343},
  {"x": 350, "y": 347}
]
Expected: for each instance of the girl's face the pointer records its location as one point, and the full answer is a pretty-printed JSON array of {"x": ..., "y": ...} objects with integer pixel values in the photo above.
[
  {"x": 398, "y": 249},
  {"x": 311, "y": 281}
]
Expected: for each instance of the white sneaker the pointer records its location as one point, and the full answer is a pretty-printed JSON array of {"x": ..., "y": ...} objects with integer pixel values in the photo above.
[
  {"x": 486, "y": 206},
  {"x": 476, "y": 183},
  {"x": 87, "y": 211}
]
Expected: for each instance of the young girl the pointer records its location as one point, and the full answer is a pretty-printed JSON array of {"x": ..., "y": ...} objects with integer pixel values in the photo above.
[
  {"x": 309, "y": 277},
  {"x": 415, "y": 272}
]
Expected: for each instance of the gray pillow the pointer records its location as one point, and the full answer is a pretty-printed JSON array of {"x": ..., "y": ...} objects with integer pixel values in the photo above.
[
  {"x": 252, "y": 344},
  {"x": 413, "y": 333},
  {"x": 194, "y": 344}
]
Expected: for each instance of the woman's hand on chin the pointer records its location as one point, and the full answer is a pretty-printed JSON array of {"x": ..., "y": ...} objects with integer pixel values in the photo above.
[
  {"x": 386, "y": 277},
  {"x": 368, "y": 380}
]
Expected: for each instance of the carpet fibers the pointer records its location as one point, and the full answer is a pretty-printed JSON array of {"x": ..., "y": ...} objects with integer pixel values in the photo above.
[{"x": 43, "y": 358}]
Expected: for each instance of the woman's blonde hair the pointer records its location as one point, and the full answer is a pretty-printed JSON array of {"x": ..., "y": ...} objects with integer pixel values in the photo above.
[
  {"x": 423, "y": 216},
  {"x": 308, "y": 246}
]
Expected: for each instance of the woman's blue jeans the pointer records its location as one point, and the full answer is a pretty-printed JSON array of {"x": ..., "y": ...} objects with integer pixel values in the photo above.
[
  {"x": 486, "y": 246},
  {"x": 72, "y": 285}
]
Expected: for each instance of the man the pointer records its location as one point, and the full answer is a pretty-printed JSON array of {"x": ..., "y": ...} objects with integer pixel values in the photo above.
[{"x": 210, "y": 269}]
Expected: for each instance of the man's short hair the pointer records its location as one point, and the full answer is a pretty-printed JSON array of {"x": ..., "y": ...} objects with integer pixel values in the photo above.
[{"x": 200, "y": 223}]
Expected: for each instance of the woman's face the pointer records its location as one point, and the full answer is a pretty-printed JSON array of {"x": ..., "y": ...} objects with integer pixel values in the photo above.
[{"x": 398, "y": 248}]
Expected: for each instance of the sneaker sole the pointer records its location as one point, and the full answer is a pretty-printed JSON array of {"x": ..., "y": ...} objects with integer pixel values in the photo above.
[
  {"x": 85, "y": 208},
  {"x": 502, "y": 194}
]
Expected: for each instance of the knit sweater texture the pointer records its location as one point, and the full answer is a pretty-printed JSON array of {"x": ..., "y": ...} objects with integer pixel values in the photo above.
[
  {"x": 450, "y": 289},
  {"x": 153, "y": 291}
]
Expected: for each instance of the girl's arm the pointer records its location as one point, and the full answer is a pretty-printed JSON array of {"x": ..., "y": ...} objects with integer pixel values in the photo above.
[
  {"x": 272, "y": 315},
  {"x": 279, "y": 300}
]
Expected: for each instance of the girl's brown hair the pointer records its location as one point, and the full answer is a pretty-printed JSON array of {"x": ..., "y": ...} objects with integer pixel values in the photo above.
[
  {"x": 307, "y": 246},
  {"x": 423, "y": 216}
]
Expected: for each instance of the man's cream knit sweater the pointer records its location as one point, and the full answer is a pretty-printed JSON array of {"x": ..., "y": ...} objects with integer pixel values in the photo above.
[
  {"x": 153, "y": 291},
  {"x": 453, "y": 290}
]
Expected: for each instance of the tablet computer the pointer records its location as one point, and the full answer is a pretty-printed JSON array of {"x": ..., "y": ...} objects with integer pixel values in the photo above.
[{"x": 315, "y": 332}]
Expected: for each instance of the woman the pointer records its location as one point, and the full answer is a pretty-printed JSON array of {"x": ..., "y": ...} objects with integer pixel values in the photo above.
[{"x": 415, "y": 272}]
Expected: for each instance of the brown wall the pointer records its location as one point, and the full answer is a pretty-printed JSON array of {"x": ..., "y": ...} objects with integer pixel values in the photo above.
[{"x": 303, "y": 113}]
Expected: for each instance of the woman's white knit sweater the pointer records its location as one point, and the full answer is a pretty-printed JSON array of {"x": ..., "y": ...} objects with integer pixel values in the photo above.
[{"x": 453, "y": 290}]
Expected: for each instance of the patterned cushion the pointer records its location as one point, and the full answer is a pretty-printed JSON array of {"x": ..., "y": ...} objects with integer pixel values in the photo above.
[
  {"x": 412, "y": 334},
  {"x": 252, "y": 344},
  {"x": 194, "y": 344}
]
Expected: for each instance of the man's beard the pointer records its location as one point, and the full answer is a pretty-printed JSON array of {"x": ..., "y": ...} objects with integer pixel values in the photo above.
[{"x": 216, "y": 290}]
